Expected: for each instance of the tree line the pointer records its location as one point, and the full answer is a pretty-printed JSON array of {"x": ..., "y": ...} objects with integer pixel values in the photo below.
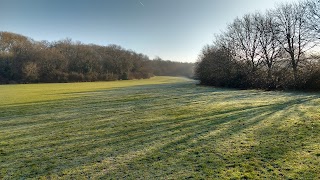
[
  {"x": 24, "y": 60},
  {"x": 277, "y": 49}
]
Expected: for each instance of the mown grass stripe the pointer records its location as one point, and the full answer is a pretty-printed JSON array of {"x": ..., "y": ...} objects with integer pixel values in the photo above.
[{"x": 152, "y": 130}]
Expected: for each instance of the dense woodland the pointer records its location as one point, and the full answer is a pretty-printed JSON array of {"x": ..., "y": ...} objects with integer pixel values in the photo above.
[
  {"x": 275, "y": 50},
  {"x": 24, "y": 60}
]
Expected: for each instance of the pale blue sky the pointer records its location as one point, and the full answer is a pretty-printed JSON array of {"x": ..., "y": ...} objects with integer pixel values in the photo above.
[{"x": 172, "y": 29}]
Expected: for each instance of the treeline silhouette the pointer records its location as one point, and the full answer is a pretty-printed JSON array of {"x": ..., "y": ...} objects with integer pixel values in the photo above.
[
  {"x": 24, "y": 60},
  {"x": 274, "y": 50}
]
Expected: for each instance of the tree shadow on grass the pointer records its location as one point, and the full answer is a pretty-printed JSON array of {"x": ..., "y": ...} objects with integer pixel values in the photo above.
[
  {"x": 118, "y": 144},
  {"x": 202, "y": 127}
]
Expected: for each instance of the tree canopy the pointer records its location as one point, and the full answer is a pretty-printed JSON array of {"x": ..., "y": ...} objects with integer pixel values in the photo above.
[
  {"x": 273, "y": 50},
  {"x": 23, "y": 60}
]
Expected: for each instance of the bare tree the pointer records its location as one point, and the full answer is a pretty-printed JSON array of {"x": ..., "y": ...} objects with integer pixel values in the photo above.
[
  {"x": 245, "y": 37},
  {"x": 293, "y": 33},
  {"x": 269, "y": 45},
  {"x": 314, "y": 16}
]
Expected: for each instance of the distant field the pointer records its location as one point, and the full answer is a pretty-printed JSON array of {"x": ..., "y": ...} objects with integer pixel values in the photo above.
[{"x": 160, "y": 128}]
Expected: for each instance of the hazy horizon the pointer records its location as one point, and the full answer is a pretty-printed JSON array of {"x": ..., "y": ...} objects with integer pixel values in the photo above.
[{"x": 173, "y": 30}]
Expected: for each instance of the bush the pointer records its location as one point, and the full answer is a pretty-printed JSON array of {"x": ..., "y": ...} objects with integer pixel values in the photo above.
[{"x": 76, "y": 77}]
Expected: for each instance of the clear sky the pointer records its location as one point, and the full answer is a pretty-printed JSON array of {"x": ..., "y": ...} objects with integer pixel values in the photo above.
[{"x": 171, "y": 29}]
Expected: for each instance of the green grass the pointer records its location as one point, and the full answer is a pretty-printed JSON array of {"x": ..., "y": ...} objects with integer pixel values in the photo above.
[{"x": 161, "y": 128}]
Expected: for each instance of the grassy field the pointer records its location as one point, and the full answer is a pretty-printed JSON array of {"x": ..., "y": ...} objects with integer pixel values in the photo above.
[{"x": 161, "y": 128}]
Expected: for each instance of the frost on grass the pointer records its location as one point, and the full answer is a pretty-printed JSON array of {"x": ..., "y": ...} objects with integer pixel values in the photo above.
[{"x": 161, "y": 128}]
